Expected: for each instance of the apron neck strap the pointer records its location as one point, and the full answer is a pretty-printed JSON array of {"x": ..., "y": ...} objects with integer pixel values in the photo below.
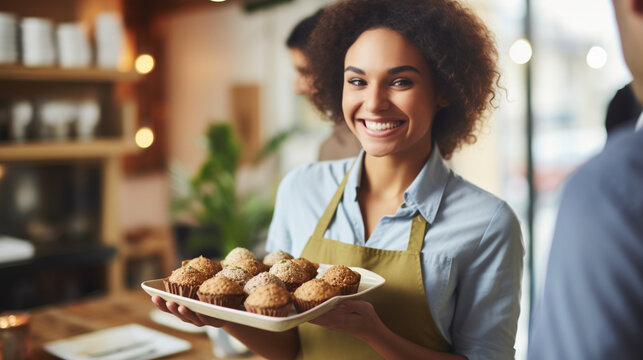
[
  {"x": 324, "y": 221},
  {"x": 418, "y": 229}
]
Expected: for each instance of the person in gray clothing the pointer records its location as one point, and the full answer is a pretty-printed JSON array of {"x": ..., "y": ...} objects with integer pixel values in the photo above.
[{"x": 592, "y": 302}]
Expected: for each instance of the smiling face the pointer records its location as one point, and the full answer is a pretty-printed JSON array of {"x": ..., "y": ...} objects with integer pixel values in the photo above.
[{"x": 388, "y": 99}]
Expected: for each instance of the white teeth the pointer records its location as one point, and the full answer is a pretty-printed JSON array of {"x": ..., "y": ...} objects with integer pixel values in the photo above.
[{"x": 376, "y": 125}]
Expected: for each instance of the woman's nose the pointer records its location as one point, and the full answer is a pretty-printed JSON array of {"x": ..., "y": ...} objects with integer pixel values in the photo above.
[{"x": 376, "y": 99}]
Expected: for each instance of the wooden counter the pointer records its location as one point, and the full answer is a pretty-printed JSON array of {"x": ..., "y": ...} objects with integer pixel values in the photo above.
[{"x": 63, "y": 321}]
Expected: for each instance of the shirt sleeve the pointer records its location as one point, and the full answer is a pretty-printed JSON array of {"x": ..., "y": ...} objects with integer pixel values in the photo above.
[{"x": 488, "y": 294}]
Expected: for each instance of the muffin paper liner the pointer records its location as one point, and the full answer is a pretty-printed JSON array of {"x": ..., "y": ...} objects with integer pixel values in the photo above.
[
  {"x": 181, "y": 290},
  {"x": 229, "y": 300},
  {"x": 281, "y": 311}
]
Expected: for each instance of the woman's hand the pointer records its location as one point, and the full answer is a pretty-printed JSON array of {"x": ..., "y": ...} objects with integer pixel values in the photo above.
[
  {"x": 186, "y": 314},
  {"x": 355, "y": 317}
]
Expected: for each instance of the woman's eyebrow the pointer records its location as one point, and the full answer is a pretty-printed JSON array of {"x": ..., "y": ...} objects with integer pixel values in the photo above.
[
  {"x": 403, "y": 68},
  {"x": 354, "y": 69}
]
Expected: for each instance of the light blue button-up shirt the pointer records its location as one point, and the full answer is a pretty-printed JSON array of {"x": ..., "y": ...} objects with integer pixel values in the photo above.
[{"x": 472, "y": 256}]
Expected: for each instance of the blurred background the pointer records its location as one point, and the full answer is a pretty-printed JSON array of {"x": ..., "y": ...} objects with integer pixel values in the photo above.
[{"x": 111, "y": 111}]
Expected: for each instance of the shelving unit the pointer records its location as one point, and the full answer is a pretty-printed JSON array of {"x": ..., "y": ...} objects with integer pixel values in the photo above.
[{"x": 107, "y": 150}]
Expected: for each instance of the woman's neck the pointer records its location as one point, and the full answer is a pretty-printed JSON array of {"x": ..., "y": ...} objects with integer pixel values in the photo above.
[{"x": 390, "y": 176}]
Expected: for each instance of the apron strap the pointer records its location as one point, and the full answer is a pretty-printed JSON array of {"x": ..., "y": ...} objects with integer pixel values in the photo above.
[
  {"x": 326, "y": 218},
  {"x": 418, "y": 229}
]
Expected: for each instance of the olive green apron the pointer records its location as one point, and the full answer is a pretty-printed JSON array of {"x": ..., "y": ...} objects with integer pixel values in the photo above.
[{"x": 400, "y": 302}]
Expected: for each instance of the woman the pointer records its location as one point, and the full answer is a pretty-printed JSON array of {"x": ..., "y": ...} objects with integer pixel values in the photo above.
[{"x": 412, "y": 79}]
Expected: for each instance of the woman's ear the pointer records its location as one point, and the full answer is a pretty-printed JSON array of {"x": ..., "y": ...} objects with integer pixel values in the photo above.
[{"x": 441, "y": 102}]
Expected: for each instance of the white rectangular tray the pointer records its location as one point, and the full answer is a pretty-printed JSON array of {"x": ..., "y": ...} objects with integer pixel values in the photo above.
[{"x": 369, "y": 281}]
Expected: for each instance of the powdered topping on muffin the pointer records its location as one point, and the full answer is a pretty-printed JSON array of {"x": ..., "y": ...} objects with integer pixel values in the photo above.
[
  {"x": 208, "y": 266},
  {"x": 260, "y": 280},
  {"x": 220, "y": 285},
  {"x": 235, "y": 273},
  {"x": 309, "y": 266},
  {"x": 270, "y": 295},
  {"x": 289, "y": 271},
  {"x": 275, "y": 257},
  {"x": 238, "y": 253},
  {"x": 187, "y": 275},
  {"x": 316, "y": 290},
  {"x": 340, "y": 275},
  {"x": 253, "y": 266}
]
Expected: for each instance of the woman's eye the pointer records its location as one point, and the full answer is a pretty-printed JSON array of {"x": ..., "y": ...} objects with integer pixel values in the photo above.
[
  {"x": 357, "y": 82},
  {"x": 401, "y": 82}
]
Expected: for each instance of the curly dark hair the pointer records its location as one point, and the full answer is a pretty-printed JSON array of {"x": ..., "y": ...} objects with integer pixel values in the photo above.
[{"x": 458, "y": 47}]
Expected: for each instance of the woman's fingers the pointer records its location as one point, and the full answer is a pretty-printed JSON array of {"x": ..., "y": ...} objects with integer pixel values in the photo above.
[{"x": 159, "y": 303}]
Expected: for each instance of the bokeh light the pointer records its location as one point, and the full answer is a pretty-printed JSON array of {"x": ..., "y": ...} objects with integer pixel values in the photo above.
[
  {"x": 144, "y": 64},
  {"x": 144, "y": 137},
  {"x": 520, "y": 51}
]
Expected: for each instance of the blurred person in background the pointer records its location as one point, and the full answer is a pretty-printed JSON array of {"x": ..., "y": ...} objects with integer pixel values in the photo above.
[
  {"x": 592, "y": 302},
  {"x": 341, "y": 143},
  {"x": 413, "y": 80}
]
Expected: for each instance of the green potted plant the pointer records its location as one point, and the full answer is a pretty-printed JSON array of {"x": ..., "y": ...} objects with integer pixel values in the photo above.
[{"x": 215, "y": 218}]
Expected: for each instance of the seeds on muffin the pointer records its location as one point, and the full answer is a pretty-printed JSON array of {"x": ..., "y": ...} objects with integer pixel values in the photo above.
[
  {"x": 236, "y": 273},
  {"x": 275, "y": 257}
]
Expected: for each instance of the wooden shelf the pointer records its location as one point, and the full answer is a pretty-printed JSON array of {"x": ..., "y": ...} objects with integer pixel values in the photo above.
[
  {"x": 22, "y": 73},
  {"x": 66, "y": 150}
]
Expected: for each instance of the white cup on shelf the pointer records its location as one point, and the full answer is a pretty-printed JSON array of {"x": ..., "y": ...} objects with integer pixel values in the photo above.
[
  {"x": 37, "y": 42},
  {"x": 73, "y": 45},
  {"x": 8, "y": 38},
  {"x": 56, "y": 117},
  {"x": 21, "y": 116},
  {"x": 109, "y": 34},
  {"x": 88, "y": 116}
]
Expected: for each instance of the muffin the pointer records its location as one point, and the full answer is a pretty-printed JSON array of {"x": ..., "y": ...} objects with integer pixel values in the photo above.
[
  {"x": 291, "y": 273},
  {"x": 184, "y": 281},
  {"x": 260, "y": 280},
  {"x": 270, "y": 300},
  {"x": 342, "y": 277},
  {"x": 275, "y": 257},
  {"x": 309, "y": 266},
  {"x": 236, "y": 274},
  {"x": 253, "y": 266},
  {"x": 236, "y": 254},
  {"x": 208, "y": 266},
  {"x": 312, "y": 293},
  {"x": 220, "y": 290}
]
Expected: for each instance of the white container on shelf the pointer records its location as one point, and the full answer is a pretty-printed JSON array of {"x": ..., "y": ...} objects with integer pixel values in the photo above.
[
  {"x": 37, "y": 42},
  {"x": 73, "y": 45},
  {"x": 8, "y": 38},
  {"x": 109, "y": 40}
]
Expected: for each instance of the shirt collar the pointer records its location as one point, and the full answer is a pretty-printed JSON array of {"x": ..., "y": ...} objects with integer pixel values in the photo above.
[{"x": 425, "y": 192}]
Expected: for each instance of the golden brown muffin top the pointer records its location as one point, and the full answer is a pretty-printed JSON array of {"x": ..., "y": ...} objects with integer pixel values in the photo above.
[
  {"x": 316, "y": 290},
  {"x": 260, "y": 280},
  {"x": 187, "y": 275},
  {"x": 275, "y": 257},
  {"x": 270, "y": 295},
  {"x": 253, "y": 266},
  {"x": 238, "y": 253},
  {"x": 235, "y": 273},
  {"x": 220, "y": 285},
  {"x": 340, "y": 275},
  {"x": 289, "y": 271},
  {"x": 309, "y": 266},
  {"x": 208, "y": 266}
]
